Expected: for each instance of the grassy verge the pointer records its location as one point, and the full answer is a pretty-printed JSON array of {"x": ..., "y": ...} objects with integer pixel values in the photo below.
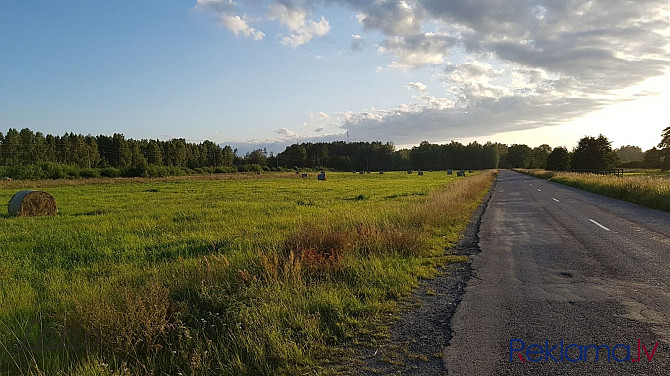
[
  {"x": 645, "y": 190},
  {"x": 208, "y": 277}
]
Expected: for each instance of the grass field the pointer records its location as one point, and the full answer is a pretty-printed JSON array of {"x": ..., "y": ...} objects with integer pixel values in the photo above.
[
  {"x": 212, "y": 276},
  {"x": 646, "y": 188}
]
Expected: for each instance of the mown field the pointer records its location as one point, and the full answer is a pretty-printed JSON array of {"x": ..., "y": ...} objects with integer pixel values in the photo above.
[
  {"x": 206, "y": 276},
  {"x": 646, "y": 188}
]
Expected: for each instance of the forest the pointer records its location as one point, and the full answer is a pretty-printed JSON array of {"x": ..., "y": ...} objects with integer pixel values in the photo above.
[{"x": 26, "y": 154}]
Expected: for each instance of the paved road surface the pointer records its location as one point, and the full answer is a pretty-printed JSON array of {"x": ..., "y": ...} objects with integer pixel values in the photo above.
[{"x": 560, "y": 263}]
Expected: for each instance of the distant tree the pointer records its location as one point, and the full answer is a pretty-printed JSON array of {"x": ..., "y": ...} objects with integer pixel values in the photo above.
[
  {"x": 594, "y": 153},
  {"x": 629, "y": 153},
  {"x": 490, "y": 157},
  {"x": 558, "y": 159},
  {"x": 653, "y": 158},
  {"x": 664, "y": 145},
  {"x": 518, "y": 156},
  {"x": 228, "y": 156},
  {"x": 538, "y": 156},
  {"x": 92, "y": 151},
  {"x": 27, "y": 153},
  {"x": 153, "y": 153},
  {"x": 9, "y": 151},
  {"x": 294, "y": 155},
  {"x": 137, "y": 159},
  {"x": 258, "y": 156},
  {"x": 121, "y": 155}
]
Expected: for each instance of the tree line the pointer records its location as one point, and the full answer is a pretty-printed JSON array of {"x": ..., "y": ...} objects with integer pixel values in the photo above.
[{"x": 28, "y": 154}]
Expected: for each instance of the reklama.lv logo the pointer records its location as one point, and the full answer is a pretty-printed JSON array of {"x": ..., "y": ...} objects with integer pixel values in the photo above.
[{"x": 577, "y": 353}]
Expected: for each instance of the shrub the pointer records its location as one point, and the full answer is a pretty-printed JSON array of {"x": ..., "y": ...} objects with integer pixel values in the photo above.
[
  {"x": 110, "y": 172},
  {"x": 89, "y": 173}
]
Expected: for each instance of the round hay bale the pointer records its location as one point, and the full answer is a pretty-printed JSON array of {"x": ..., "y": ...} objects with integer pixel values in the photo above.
[{"x": 32, "y": 203}]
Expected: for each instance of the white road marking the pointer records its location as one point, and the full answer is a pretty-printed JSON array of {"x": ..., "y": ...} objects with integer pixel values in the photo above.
[
  {"x": 599, "y": 225},
  {"x": 555, "y": 199}
]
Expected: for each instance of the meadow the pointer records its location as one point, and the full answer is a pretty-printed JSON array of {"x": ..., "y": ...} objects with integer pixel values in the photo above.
[
  {"x": 257, "y": 275},
  {"x": 646, "y": 188}
]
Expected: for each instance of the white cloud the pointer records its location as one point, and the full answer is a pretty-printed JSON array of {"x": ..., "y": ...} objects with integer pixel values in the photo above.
[
  {"x": 239, "y": 26},
  {"x": 285, "y": 133},
  {"x": 418, "y": 86},
  {"x": 415, "y": 51},
  {"x": 301, "y": 29}
]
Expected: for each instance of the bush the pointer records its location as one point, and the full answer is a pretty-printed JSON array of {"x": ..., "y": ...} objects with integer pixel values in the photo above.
[
  {"x": 89, "y": 173},
  {"x": 110, "y": 172},
  {"x": 250, "y": 168}
]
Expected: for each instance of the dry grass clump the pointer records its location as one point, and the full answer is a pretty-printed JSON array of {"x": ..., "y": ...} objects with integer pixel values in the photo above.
[
  {"x": 32, "y": 203},
  {"x": 318, "y": 249},
  {"x": 388, "y": 238},
  {"x": 135, "y": 322}
]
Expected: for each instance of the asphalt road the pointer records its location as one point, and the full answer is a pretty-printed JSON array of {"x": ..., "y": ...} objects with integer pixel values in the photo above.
[{"x": 558, "y": 263}]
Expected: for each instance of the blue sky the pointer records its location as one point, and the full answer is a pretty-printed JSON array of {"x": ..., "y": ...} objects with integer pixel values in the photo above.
[{"x": 267, "y": 73}]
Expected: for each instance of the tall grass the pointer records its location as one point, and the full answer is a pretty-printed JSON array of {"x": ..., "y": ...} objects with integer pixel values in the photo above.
[
  {"x": 645, "y": 190},
  {"x": 240, "y": 277}
]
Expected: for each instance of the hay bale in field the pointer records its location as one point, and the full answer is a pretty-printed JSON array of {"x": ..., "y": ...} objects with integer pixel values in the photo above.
[{"x": 32, "y": 203}]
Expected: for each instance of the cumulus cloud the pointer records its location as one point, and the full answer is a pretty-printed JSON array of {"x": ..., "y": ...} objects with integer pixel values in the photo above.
[
  {"x": 391, "y": 17},
  {"x": 294, "y": 18},
  {"x": 418, "y": 50},
  {"x": 418, "y": 86},
  {"x": 285, "y": 133},
  {"x": 239, "y": 26}
]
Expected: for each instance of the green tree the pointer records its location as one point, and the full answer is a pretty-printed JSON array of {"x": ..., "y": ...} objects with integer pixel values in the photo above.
[
  {"x": 558, "y": 159},
  {"x": 137, "y": 159},
  {"x": 629, "y": 153},
  {"x": 153, "y": 153},
  {"x": 518, "y": 156},
  {"x": 664, "y": 145},
  {"x": 594, "y": 153},
  {"x": 294, "y": 155},
  {"x": 228, "y": 156},
  {"x": 538, "y": 156},
  {"x": 121, "y": 154},
  {"x": 10, "y": 148},
  {"x": 258, "y": 157},
  {"x": 27, "y": 153},
  {"x": 653, "y": 158}
]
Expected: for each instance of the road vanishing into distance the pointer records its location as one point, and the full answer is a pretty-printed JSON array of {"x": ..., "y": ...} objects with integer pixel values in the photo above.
[{"x": 560, "y": 270}]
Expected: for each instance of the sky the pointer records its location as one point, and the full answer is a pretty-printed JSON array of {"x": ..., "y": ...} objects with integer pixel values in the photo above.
[{"x": 255, "y": 73}]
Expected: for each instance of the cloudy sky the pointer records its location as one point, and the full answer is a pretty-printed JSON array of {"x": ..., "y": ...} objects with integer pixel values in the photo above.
[{"x": 255, "y": 72}]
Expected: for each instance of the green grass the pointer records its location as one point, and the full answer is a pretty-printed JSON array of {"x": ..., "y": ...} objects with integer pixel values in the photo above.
[
  {"x": 218, "y": 277},
  {"x": 646, "y": 188}
]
